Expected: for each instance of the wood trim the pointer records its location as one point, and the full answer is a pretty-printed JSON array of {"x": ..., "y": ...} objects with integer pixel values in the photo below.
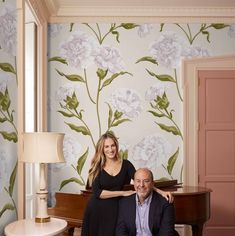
[
  {"x": 20, "y": 105},
  {"x": 142, "y": 14},
  {"x": 40, "y": 12},
  {"x": 190, "y": 70},
  {"x": 41, "y": 15}
]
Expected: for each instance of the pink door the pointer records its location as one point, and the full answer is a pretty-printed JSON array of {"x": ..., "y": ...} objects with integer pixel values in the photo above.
[{"x": 216, "y": 107}]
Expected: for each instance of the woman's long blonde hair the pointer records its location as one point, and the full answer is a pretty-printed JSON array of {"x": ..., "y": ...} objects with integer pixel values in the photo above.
[{"x": 98, "y": 161}]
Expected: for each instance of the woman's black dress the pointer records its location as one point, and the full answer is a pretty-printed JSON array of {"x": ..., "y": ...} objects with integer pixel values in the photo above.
[{"x": 101, "y": 214}]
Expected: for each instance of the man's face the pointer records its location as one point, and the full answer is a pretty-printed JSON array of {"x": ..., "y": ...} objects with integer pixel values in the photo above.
[{"x": 143, "y": 183}]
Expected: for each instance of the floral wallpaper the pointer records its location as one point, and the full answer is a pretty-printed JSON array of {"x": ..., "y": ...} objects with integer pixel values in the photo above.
[
  {"x": 8, "y": 113},
  {"x": 125, "y": 78}
]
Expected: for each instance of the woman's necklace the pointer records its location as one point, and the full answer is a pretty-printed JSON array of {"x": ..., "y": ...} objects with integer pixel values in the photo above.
[{"x": 113, "y": 169}]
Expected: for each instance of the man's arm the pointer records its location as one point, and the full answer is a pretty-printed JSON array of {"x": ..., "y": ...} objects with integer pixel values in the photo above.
[
  {"x": 121, "y": 228},
  {"x": 167, "y": 227}
]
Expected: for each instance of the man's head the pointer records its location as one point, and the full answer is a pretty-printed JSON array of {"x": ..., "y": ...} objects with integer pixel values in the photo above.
[{"x": 143, "y": 182}]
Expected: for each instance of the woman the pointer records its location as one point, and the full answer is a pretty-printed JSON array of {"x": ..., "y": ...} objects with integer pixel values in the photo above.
[{"x": 107, "y": 176}]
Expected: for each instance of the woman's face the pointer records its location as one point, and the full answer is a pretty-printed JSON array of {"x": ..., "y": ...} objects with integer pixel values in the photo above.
[{"x": 110, "y": 149}]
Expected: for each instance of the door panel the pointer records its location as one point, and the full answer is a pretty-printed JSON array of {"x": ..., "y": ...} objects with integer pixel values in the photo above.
[{"x": 216, "y": 107}]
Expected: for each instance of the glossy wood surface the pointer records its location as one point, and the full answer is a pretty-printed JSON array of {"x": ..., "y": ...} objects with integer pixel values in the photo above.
[{"x": 192, "y": 207}]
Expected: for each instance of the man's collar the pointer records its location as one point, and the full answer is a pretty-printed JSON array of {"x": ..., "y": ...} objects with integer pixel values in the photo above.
[{"x": 146, "y": 201}]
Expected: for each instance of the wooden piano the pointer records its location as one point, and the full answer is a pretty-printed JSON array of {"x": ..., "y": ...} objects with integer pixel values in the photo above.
[{"x": 192, "y": 207}]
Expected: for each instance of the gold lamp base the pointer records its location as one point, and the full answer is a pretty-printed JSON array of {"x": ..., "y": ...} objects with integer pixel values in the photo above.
[{"x": 42, "y": 220}]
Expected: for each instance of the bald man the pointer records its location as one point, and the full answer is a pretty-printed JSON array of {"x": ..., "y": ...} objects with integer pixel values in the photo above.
[{"x": 145, "y": 213}]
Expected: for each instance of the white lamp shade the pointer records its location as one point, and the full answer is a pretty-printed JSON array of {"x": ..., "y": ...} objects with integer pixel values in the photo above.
[{"x": 43, "y": 147}]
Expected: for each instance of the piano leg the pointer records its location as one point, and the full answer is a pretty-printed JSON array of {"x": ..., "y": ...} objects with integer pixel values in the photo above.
[
  {"x": 197, "y": 229},
  {"x": 71, "y": 231}
]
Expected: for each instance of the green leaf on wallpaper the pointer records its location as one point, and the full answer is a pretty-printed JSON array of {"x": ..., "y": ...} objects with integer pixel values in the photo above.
[
  {"x": 71, "y": 27},
  {"x": 79, "y": 129},
  {"x": 11, "y": 116},
  {"x": 114, "y": 76},
  {"x": 161, "y": 26},
  {"x": 12, "y": 180},
  {"x": 116, "y": 33},
  {"x": 149, "y": 59},
  {"x": 76, "y": 78},
  {"x": 101, "y": 73},
  {"x": 156, "y": 114},
  {"x": 164, "y": 78},
  {"x": 171, "y": 129},
  {"x": 129, "y": 25},
  {"x": 72, "y": 102},
  {"x": 5, "y": 101},
  {"x": 118, "y": 122},
  {"x": 207, "y": 35},
  {"x": 123, "y": 154},
  {"x": 6, "y": 207},
  {"x": 171, "y": 161},
  {"x": 7, "y": 67},
  {"x": 59, "y": 59},
  {"x": 66, "y": 114},
  {"x": 219, "y": 26},
  {"x": 3, "y": 119},
  {"x": 110, "y": 115},
  {"x": 81, "y": 161},
  {"x": 9, "y": 136},
  {"x": 71, "y": 180},
  {"x": 162, "y": 102},
  {"x": 118, "y": 114}
]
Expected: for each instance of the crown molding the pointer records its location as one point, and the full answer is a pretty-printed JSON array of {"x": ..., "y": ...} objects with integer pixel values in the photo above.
[
  {"x": 39, "y": 10},
  {"x": 146, "y": 14}
]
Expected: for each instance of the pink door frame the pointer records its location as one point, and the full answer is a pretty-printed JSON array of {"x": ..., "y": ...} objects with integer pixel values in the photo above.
[{"x": 190, "y": 82}]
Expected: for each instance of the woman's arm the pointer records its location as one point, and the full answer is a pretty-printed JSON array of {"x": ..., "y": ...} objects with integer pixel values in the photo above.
[
  {"x": 109, "y": 194},
  {"x": 168, "y": 195}
]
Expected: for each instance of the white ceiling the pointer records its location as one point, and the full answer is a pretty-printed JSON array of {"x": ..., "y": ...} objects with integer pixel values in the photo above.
[{"x": 75, "y": 8}]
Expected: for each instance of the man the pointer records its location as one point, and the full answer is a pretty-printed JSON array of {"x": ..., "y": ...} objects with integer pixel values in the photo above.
[{"x": 145, "y": 213}]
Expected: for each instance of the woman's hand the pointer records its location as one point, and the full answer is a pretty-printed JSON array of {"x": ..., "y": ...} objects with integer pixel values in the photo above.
[
  {"x": 168, "y": 195},
  {"x": 128, "y": 193}
]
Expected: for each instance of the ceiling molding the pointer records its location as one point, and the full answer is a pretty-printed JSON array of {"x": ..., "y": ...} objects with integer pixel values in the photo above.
[
  {"x": 146, "y": 14},
  {"x": 52, "y": 6},
  {"x": 140, "y": 10},
  {"x": 39, "y": 10}
]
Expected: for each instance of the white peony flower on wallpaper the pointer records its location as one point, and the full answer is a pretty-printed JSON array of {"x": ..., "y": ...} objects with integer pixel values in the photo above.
[
  {"x": 108, "y": 57},
  {"x": 156, "y": 90},
  {"x": 152, "y": 151},
  {"x": 144, "y": 30},
  {"x": 124, "y": 146},
  {"x": 3, "y": 86},
  {"x": 194, "y": 51},
  {"x": 65, "y": 90},
  {"x": 71, "y": 150},
  {"x": 8, "y": 30},
  {"x": 167, "y": 49},
  {"x": 79, "y": 50},
  {"x": 127, "y": 101},
  {"x": 54, "y": 29},
  {"x": 4, "y": 170},
  {"x": 231, "y": 31}
]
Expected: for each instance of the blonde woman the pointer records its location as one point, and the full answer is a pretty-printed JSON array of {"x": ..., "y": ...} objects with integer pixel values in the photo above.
[{"x": 107, "y": 176}]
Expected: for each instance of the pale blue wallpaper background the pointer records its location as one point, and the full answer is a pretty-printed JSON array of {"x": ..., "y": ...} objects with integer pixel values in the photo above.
[
  {"x": 125, "y": 78},
  {"x": 8, "y": 113}
]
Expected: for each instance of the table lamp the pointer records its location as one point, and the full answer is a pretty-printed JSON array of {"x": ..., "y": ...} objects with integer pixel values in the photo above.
[{"x": 42, "y": 148}]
